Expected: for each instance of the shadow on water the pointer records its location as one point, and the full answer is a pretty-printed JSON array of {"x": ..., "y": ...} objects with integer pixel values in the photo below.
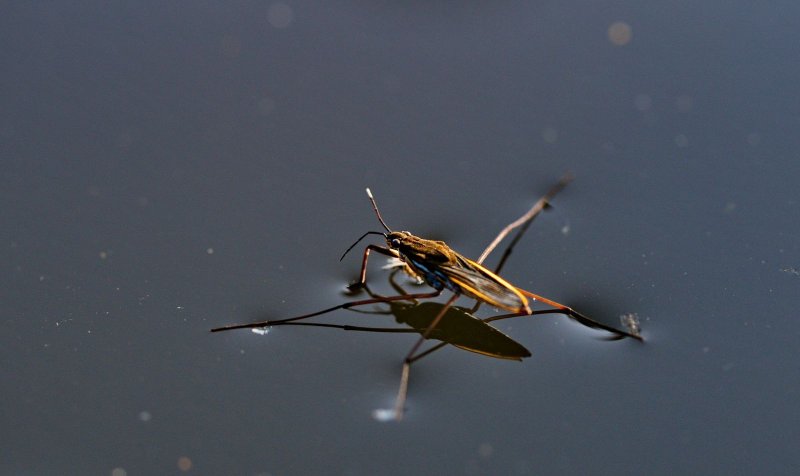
[
  {"x": 461, "y": 328},
  {"x": 457, "y": 327}
]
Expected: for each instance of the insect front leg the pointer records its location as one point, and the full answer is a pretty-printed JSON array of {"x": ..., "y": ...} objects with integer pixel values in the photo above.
[{"x": 363, "y": 276}]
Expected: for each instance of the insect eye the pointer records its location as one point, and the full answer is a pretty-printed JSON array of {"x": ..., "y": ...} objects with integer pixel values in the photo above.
[{"x": 395, "y": 243}]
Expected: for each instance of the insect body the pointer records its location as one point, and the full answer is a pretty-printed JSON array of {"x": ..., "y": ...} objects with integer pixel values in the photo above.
[{"x": 442, "y": 268}]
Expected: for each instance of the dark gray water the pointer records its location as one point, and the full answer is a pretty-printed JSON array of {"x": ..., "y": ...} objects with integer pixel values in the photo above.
[{"x": 168, "y": 168}]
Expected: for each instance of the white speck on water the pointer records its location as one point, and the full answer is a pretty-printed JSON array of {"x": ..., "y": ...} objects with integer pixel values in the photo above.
[
  {"x": 145, "y": 416},
  {"x": 550, "y": 135},
  {"x": 210, "y": 251},
  {"x": 631, "y": 322},
  {"x": 262, "y": 331},
  {"x": 280, "y": 15},
  {"x": 485, "y": 450},
  {"x": 119, "y": 472},
  {"x": 730, "y": 207},
  {"x": 384, "y": 414},
  {"x": 392, "y": 263},
  {"x": 791, "y": 270}
]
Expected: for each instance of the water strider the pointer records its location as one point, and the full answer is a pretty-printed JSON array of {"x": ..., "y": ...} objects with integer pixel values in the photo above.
[{"x": 436, "y": 264}]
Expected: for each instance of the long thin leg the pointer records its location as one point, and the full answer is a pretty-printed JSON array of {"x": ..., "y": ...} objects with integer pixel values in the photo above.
[
  {"x": 402, "y": 330},
  {"x": 346, "y": 305},
  {"x": 346, "y": 327},
  {"x": 527, "y": 217},
  {"x": 578, "y": 316},
  {"x": 523, "y": 223},
  {"x": 378, "y": 249},
  {"x": 403, "y": 391}
]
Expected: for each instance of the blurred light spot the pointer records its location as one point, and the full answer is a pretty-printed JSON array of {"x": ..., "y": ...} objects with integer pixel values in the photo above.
[
  {"x": 118, "y": 472},
  {"x": 550, "y": 134},
  {"x": 619, "y": 33},
  {"x": 145, "y": 416},
  {"x": 103, "y": 254},
  {"x": 730, "y": 207},
  {"x": 210, "y": 251},
  {"x": 753, "y": 138},
  {"x": 565, "y": 230},
  {"x": 681, "y": 140},
  {"x": 266, "y": 106},
  {"x": 384, "y": 414},
  {"x": 684, "y": 103},
  {"x": 262, "y": 331},
  {"x": 485, "y": 450},
  {"x": 280, "y": 15},
  {"x": 643, "y": 102},
  {"x": 184, "y": 463},
  {"x": 231, "y": 46}
]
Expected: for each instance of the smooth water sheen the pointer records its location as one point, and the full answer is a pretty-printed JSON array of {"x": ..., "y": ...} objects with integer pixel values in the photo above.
[{"x": 169, "y": 168}]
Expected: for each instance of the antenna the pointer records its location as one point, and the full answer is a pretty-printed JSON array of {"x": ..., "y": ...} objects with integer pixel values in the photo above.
[
  {"x": 380, "y": 219},
  {"x": 358, "y": 240},
  {"x": 375, "y": 207}
]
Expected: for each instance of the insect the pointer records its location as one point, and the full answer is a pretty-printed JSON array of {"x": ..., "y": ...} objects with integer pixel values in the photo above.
[{"x": 443, "y": 269}]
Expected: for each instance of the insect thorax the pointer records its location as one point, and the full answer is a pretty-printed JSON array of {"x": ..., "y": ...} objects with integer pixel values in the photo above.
[
  {"x": 421, "y": 250},
  {"x": 424, "y": 258}
]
